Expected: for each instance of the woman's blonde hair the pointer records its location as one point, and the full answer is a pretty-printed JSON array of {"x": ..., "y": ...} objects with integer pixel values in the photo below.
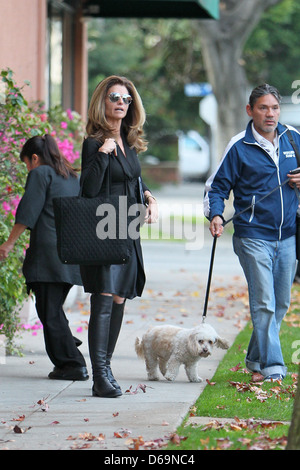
[{"x": 132, "y": 124}]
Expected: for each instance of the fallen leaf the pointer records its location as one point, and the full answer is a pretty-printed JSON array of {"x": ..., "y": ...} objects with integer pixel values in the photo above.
[
  {"x": 195, "y": 294},
  {"x": 20, "y": 418},
  {"x": 210, "y": 383},
  {"x": 224, "y": 443},
  {"x": 88, "y": 436},
  {"x": 77, "y": 446},
  {"x": 139, "y": 387},
  {"x": 135, "y": 443},
  {"x": 176, "y": 439},
  {"x": 122, "y": 433},
  {"x": 43, "y": 405},
  {"x": 19, "y": 430},
  {"x": 204, "y": 441},
  {"x": 155, "y": 444},
  {"x": 235, "y": 427},
  {"x": 257, "y": 377}
]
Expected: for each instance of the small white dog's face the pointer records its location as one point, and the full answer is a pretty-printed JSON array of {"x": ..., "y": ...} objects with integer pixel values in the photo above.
[
  {"x": 200, "y": 347},
  {"x": 202, "y": 339}
]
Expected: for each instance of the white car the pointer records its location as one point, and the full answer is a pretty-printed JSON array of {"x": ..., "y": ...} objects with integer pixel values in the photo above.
[{"x": 193, "y": 156}]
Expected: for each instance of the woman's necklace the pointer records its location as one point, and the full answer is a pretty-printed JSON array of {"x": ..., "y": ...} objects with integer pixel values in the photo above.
[{"x": 120, "y": 144}]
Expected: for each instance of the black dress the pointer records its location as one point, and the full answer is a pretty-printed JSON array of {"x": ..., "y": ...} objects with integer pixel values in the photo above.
[{"x": 125, "y": 280}]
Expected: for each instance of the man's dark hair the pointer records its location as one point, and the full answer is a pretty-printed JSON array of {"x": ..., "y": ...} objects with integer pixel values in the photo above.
[{"x": 262, "y": 90}]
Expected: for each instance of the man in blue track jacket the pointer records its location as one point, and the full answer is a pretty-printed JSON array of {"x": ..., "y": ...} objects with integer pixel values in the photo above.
[{"x": 255, "y": 162}]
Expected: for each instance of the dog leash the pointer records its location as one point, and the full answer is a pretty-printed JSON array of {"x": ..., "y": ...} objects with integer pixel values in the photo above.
[
  {"x": 212, "y": 257},
  {"x": 209, "y": 278}
]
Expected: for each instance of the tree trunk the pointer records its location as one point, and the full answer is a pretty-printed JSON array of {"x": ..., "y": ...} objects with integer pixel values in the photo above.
[
  {"x": 294, "y": 431},
  {"x": 222, "y": 46}
]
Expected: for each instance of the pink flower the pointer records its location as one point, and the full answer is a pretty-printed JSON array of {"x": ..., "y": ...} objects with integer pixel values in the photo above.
[
  {"x": 16, "y": 201},
  {"x": 69, "y": 114},
  {"x": 67, "y": 149},
  {"x": 64, "y": 125},
  {"x": 43, "y": 117},
  {"x": 36, "y": 326},
  {"x": 6, "y": 207}
]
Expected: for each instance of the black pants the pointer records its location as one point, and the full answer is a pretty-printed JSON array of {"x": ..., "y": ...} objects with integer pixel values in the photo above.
[{"x": 61, "y": 346}]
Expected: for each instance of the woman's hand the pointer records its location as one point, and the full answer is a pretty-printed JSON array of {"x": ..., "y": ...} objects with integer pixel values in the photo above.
[
  {"x": 109, "y": 146},
  {"x": 5, "y": 248},
  {"x": 151, "y": 215}
]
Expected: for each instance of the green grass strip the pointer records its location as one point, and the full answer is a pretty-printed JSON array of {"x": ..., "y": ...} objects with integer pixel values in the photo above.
[{"x": 235, "y": 394}]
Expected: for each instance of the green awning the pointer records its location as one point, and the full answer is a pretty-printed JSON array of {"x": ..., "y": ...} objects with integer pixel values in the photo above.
[{"x": 152, "y": 8}]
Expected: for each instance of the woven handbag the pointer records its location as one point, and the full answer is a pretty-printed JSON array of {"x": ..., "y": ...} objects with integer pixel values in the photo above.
[{"x": 93, "y": 231}]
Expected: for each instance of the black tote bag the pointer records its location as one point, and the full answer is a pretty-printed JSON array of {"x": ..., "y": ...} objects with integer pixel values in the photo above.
[{"x": 94, "y": 231}]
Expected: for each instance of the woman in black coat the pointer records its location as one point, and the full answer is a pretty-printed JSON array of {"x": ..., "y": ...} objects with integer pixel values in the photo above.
[
  {"x": 50, "y": 175},
  {"x": 115, "y": 131}
]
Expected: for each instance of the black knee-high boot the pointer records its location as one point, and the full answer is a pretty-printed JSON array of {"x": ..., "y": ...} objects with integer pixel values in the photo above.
[
  {"x": 98, "y": 336},
  {"x": 115, "y": 327}
]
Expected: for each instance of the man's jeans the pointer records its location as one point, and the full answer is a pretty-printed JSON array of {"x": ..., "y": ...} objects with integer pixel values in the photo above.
[{"x": 269, "y": 268}]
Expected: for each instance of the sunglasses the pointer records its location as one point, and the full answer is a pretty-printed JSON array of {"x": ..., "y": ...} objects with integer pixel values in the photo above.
[{"x": 115, "y": 97}]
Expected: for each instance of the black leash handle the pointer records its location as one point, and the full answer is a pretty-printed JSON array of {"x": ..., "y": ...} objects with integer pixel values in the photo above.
[{"x": 209, "y": 277}]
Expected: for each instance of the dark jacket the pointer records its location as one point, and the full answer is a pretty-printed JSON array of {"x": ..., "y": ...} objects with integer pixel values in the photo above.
[
  {"x": 35, "y": 210},
  {"x": 248, "y": 170}
]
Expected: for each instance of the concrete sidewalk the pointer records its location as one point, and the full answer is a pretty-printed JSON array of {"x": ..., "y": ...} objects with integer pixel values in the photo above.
[{"x": 40, "y": 414}]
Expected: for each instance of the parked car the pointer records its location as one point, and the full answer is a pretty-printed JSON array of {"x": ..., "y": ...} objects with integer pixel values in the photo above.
[{"x": 193, "y": 156}]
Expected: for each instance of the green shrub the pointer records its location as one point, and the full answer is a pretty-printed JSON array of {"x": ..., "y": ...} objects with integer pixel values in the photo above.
[{"x": 19, "y": 121}]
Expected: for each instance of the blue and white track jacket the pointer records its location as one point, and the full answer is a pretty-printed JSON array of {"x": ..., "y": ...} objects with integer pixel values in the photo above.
[{"x": 250, "y": 172}]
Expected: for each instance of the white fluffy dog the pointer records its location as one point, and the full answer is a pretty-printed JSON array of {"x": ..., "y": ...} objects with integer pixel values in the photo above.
[{"x": 169, "y": 346}]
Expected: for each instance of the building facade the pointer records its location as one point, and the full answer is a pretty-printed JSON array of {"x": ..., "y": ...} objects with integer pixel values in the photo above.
[{"x": 45, "y": 42}]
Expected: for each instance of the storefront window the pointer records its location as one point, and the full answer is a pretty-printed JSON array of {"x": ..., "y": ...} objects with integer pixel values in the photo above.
[
  {"x": 60, "y": 54},
  {"x": 56, "y": 61}
]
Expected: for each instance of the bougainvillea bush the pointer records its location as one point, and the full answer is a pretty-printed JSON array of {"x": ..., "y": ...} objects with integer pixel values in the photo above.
[{"x": 20, "y": 120}]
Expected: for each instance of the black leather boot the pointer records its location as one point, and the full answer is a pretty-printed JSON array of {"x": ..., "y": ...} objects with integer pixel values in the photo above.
[
  {"x": 114, "y": 330},
  {"x": 98, "y": 335}
]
